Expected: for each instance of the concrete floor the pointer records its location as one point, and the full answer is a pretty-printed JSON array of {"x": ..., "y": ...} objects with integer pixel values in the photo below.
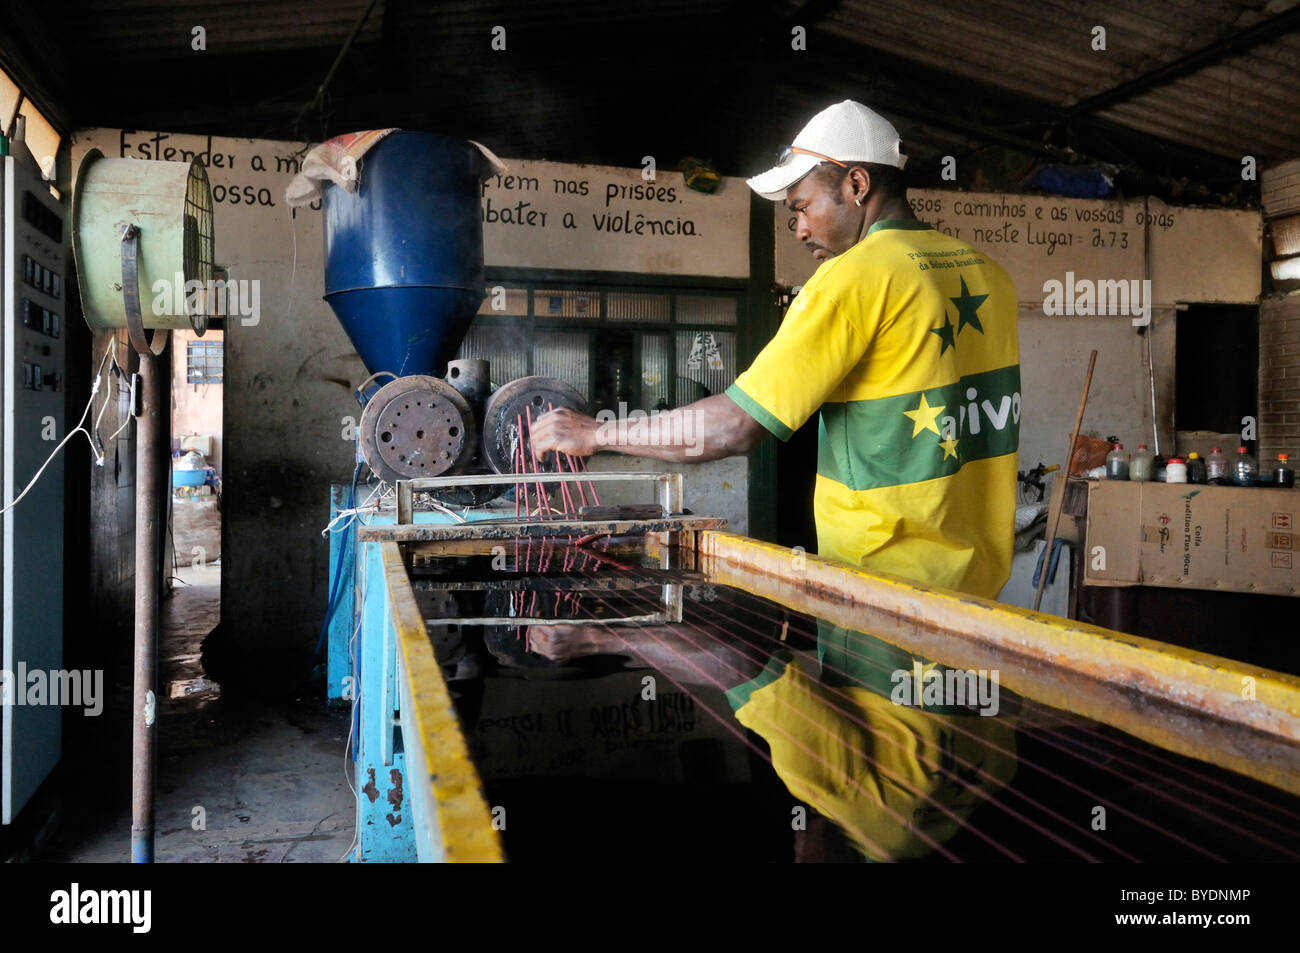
[{"x": 239, "y": 779}]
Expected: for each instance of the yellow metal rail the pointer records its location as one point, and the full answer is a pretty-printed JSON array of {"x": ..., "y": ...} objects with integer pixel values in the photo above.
[
  {"x": 452, "y": 820},
  {"x": 1239, "y": 716}
]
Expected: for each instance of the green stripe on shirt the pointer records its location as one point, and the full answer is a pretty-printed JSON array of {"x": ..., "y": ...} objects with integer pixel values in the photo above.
[
  {"x": 870, "y": 444},
  {"x": 907, "y": 224},
  {"x": 738, "y": 696},
  {"x": 852, "y": 659},
  {"x": 760, "y": 413}
]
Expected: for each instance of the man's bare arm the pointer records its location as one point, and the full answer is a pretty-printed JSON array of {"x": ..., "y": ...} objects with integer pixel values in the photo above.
[
  {"x": 703, "y": 655},
  {"x": 708, "y": 429}
]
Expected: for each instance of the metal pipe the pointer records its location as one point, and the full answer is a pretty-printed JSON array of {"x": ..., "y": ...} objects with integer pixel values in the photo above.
[
  {"x": 1150, "y": 329},
  {"x": 144, "y": 703},
  {"x": 1151, "y": 375},
  {"x": 342, "y": 54}
]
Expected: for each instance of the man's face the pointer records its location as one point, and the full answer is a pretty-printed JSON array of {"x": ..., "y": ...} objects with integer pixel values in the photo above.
[{"x": 826, "y": 227}]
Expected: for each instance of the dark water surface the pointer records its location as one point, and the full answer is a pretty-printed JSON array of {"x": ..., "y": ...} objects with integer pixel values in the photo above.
[{"x": 749, "y": 731}]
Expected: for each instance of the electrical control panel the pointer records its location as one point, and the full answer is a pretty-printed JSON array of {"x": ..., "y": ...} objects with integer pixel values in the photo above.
[{"x": 33, "y": 284}]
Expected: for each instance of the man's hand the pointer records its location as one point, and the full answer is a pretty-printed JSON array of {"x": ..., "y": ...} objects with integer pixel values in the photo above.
[
  {"x": 565, "y": 641},
  {"x": 669, "y": 647},
  {"x": 566, "y": 431},
  {"x": 708, "y": 429}
]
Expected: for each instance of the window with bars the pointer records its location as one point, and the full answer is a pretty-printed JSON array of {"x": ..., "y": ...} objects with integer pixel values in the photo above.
[
  {"x": 646, "y": 349},
  {"x": 203, "y": 362}
]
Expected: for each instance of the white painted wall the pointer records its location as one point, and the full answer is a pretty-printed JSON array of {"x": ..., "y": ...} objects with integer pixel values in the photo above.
[
  {"x": 599, "y": 218},
  {"x": 1197, "y": 255}
]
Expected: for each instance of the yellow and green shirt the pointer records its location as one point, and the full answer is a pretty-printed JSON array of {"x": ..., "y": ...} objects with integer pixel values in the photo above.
[
  {"x": 907, "y": 343},
  {"x": 899, "y": 779}
]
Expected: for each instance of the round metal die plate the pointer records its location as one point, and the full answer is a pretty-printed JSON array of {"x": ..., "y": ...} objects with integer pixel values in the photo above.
[{"x": 417, "y": 426}]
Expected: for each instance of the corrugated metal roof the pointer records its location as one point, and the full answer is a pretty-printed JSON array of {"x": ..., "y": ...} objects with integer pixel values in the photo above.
[
  {"x": 590, "y": 80},
  {"x": 1242, "y": 104},
  {"x": 113, "y": 31}
]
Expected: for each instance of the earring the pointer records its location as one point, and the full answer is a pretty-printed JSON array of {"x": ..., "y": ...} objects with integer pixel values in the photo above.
[{"x": 859, "y": 203}]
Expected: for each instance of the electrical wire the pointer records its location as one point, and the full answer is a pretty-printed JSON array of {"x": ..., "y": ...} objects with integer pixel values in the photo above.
[
  {"x": 441, "y": 508},
  {"x": 80, "y": 428},
  {"x": 352, "y": 723},
  {"x": 349, "y": 757},
  {"x": 335, "y": 591},
  {"x": 348, "y": 515}
]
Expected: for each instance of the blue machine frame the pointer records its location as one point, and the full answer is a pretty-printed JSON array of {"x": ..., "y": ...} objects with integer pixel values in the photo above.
[
  {"x": 365, "y": 674},
  {"x": 369, "y": 641}
]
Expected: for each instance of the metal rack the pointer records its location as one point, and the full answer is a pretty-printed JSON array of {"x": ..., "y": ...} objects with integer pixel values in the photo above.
[{"x": 669, "y": 487}]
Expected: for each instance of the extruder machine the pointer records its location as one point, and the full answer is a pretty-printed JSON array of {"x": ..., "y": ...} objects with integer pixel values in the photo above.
[{"x": 532, "y": 670}]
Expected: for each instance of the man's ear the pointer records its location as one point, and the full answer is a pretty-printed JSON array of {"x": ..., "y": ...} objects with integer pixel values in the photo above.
[{"x": 860, "y": 180}]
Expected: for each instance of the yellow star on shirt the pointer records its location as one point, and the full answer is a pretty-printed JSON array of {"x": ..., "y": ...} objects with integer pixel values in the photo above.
[
  {"x": 923, "y": 417},
  {"x": 949, "y": 448}
]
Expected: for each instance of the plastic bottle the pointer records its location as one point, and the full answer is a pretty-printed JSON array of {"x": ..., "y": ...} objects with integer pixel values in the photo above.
[
  {"x": 1143, "y": 465},
  {"x": 1216, "y": 466},
  {"x": 1283, "y": 475},
  {"x": 1117, "y": 463},
  {"x": 1195, "y": 468},
  {"x": 1175, "y": 471},
  {"x": 1245, "y": 471}
]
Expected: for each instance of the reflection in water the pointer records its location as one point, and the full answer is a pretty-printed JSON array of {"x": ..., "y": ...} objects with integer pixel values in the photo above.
[
  {"x": 899, "y": 779},
  {"x": 718, "y": 724}
]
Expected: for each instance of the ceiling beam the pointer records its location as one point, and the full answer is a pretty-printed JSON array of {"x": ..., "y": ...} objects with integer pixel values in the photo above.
[
  {"x": 987, "y": 113},
  {"x": 1234, "y": 45},
  {"x": 813, "y": 12},
  {"x": 342, "y": 55}
]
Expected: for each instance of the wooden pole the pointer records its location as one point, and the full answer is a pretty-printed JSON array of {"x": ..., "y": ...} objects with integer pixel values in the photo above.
[
  {"x": 1054, "y": 511},
  {"x": 144, "y": 707}
]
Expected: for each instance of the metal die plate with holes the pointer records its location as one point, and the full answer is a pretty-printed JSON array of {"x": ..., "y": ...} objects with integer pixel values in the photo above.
[
  {"x": 512, "y": 403},
  {"x": 417, "y": 426}
]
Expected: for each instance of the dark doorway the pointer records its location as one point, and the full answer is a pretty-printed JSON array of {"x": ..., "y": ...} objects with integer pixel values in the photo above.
[{"x": 1216, "y": 367}]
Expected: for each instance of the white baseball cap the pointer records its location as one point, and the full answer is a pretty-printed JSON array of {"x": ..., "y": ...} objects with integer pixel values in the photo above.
[{"x": 846, "y": 132}]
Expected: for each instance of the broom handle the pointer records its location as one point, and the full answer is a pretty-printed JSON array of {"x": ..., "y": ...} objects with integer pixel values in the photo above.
[{"x": 1054, "y": 510}]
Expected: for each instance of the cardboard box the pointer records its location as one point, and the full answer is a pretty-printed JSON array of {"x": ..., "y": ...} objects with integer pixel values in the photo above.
[{"x": 1240, "y": 539}]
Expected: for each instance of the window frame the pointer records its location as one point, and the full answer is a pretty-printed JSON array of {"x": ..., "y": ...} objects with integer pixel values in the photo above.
[
  {"x": 206, "y": 349},
  {"x": 539, "y": 281}
]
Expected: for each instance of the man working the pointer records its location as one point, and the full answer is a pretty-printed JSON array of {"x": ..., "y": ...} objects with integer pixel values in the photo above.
[{"x": 906, "y": 341}]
